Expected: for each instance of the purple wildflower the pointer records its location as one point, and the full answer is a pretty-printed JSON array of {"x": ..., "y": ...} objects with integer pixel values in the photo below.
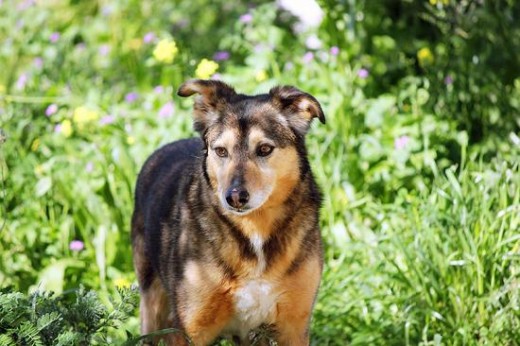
[
  {"x": 107, "y": 10},
  {"x": 149, "y": 37},
  {"x": 131, "y": 97},
  {"x": 107, "y": 119},
  {"x": 55, "y": 36},
  {"x": 38, "y": 62},
  {"x": 401, "y": 142},
  {"x": 448, "y": 80},
  {"x": 216, "y": 76},
  {"x": 308, "y": 57},
  {"x": 26, "y": 4},
  {"x": 89, "y": 167},
  {"x": 57, "y": 128},
  {"x": 258, "y": 48},
  {"x": 80, "y": 46},
  {"x": 76, "y": 245},
  {"x": 166, "y": 111},
  {"x": 363, "y": 73},
  {"x": 158, "y": 89},
  {"x": 334, "y": 50},
  {"x": 246, "y": 18},
  {"x": 22, "y": 81},
  {"x": 104, "y": 49},
  {"x": 52, "y": 109},
  {"x": 221, "y": 55}
]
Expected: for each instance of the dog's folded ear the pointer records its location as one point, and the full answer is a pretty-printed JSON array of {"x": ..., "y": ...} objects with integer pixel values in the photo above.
[
  {"x": 297, "y": 106},
  {"x": 211, "y": 95}
]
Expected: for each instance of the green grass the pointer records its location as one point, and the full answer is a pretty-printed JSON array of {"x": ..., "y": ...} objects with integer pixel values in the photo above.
[
  {"x": 420, "y": 218},
  {"x": 441, "y": 266}
]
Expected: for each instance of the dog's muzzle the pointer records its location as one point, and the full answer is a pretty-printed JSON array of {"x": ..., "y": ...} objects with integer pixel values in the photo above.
[{"x": 237, "y": 197}]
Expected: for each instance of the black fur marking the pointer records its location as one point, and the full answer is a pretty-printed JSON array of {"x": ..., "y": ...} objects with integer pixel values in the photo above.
[
  {"x": 238, "y": 236},
  {"x": 308, "y": 244},
  {"x": 279, "y": 238}
]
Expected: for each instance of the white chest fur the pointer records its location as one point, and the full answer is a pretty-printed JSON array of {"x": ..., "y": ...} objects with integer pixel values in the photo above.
[
  {"x": 255, "y": 303},
  {"x": 257, "y": 242}
]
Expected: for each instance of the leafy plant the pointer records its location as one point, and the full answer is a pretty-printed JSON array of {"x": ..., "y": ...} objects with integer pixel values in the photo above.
[{"x": 72, "y": 318}]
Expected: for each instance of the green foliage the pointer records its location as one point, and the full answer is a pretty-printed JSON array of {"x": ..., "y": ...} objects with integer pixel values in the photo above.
[
  {"x": 418, "y": 160},
  {"x": 73, "y": 318},
  {"x": 442, "y": 265},
  {"x": 468, "y": 50}
]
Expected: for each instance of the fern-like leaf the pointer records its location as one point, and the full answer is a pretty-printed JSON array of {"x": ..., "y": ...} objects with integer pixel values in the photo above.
[
  {"x": 7, "y": 340},
  {"x": 28, "y": 334}
]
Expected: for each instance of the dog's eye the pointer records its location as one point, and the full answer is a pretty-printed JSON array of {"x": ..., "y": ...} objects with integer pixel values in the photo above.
[
  {"x": 264, "y": 150},
  {"x": 220, "y": 151}
]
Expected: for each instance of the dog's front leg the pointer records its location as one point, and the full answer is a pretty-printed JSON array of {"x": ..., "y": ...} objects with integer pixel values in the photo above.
[
  {"x": 294, "y": 308},
  {"x": 205, "y": 312}
]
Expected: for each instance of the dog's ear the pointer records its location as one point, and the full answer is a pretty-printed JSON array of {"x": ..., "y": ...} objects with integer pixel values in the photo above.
[
  {"x": 297, "y": 106},
  {"x": 212, "y": 95}
]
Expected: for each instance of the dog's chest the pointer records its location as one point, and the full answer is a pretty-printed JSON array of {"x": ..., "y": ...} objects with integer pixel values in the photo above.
[
  {"x": 255, "y": 299},
  {"x": 255, "y": 304}
]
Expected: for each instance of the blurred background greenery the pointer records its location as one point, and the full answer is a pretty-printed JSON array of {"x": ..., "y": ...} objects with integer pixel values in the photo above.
[{"x": 418, "y": 162}]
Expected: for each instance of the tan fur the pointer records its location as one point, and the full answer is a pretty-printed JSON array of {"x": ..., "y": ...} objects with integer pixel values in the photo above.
[
  {"x": 295, "y": 306},
  {"x": 210, "y": 303}
]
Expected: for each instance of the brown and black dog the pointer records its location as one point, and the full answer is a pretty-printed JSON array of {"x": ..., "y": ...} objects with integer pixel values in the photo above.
[{"x": 225, "y": 230}]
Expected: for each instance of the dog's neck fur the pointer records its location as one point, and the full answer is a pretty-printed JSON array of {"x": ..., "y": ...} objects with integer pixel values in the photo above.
[{"x": 259, "y": 223}]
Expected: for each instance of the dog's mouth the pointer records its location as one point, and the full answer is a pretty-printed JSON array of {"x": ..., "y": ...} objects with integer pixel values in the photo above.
[{"x": 239, "y": 211}]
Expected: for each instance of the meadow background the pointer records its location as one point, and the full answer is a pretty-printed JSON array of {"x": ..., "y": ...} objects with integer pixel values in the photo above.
[{"x": 419, "y": 159}]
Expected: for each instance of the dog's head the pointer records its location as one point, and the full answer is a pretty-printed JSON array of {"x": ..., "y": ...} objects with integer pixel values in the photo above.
[{"x": 255, "y": 146}]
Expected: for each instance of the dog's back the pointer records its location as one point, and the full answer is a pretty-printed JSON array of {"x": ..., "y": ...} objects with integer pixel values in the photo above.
[{"x": 163, "y": 180}]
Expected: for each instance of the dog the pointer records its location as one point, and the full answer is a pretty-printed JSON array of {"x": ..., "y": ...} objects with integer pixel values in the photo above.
[{"x": 225, "y": 230}]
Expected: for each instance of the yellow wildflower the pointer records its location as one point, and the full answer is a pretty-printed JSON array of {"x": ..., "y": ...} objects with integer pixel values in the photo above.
[
  {"x": 84, "y": 115},
  {"x": 130, "y": 140},
  {"x": 38, "y": 169},
  {"x": 261, "y": 76},
  {"x": 165, "y": 51},
  {"x": 2, "y": 88},
  {"x": 205, "y": 69},
  {"x": 122, "y": 283},
  {"x": 66, "y": 128},
  {"x": 35, "y": 144},
  {"x": 425, "y": 56},
  {"x": 435, "y": 2}
]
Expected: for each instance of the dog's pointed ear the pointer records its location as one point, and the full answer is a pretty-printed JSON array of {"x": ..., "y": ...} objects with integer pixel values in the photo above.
[
  {"x": 211, "y": 95},
  {"x": 297, "y": 106}
]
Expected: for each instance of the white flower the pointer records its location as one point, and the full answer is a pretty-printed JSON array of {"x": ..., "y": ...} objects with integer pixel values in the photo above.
[
  {"x": 313, "y": 42},
  {"x": 308, "y": 12}
]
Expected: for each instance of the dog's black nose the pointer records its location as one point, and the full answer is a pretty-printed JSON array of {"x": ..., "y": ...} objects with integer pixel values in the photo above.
[{"x": 237, "y": 197}]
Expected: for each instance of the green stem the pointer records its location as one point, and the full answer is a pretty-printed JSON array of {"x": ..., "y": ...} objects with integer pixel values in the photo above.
[{"x": 32, "y": 99}]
